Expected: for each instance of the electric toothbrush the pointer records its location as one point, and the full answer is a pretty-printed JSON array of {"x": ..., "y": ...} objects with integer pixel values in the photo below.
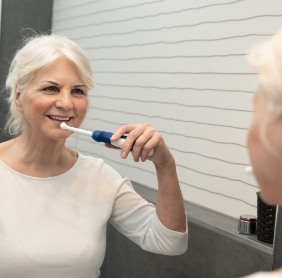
[{"x": 99, "y": 136}]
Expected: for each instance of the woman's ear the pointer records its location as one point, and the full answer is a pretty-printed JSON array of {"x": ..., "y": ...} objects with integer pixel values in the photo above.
[{"x": 18, "y": 100}]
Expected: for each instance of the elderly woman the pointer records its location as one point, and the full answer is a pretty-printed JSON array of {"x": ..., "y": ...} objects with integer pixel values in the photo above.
[
  {"x": 56, "y": 202},
  {"x": 265, "y": 133}
]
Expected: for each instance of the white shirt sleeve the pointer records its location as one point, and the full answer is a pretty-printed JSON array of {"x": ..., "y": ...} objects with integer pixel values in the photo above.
[{"x": 136, "y": 218}]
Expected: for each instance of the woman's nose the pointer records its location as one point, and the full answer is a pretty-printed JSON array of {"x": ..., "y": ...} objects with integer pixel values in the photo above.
[{"x": 64, "y": 101}]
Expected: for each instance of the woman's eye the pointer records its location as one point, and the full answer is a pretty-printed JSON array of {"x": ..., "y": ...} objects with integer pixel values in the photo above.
[
  {"x": 78, "y": 92},
  {"x": 51, "y": 89}
]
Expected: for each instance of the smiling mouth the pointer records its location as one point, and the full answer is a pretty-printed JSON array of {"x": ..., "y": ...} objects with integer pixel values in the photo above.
[{"x": 58, "y": 118}]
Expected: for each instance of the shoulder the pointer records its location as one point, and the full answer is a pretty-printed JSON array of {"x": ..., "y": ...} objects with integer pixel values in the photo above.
[
  {"x": 6, "y": 143},
  {"x": 5, "y": 149},
  {"x": 87, "y": 160},
  {"x": 95, "y": 171},
  {"x": 91, "y": 163}
]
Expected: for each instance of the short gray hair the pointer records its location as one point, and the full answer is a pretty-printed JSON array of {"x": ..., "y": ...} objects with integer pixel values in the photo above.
[
  {"x": 267, "y": 59},
  {"x": 37, "y": 52}
]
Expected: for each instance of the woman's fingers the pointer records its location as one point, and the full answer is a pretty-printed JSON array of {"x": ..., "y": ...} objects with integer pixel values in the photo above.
[
  {"x": 141, "y": 139},
  {"x": 149, "y": 140}
]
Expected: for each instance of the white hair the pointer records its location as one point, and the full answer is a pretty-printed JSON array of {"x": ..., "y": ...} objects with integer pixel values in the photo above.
[
  {"x": 37, "y": 52},
  {"x": 267, "y": 59}
]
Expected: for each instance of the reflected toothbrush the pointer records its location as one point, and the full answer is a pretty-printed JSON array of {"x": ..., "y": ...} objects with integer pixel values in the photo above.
[{"x": 99, "y": 136}]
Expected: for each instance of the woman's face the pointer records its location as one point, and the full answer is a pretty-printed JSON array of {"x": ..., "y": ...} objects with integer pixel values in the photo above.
[
  {"x": 55, "y": 94},
  {"x": 267, "y": 164}
]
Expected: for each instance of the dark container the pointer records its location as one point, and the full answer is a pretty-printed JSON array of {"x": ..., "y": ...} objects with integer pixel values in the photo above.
[{"x": 266, "y": 214}]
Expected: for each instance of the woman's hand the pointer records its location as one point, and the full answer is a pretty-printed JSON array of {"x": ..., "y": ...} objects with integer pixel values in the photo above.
[{"x": 141, "y": 139}]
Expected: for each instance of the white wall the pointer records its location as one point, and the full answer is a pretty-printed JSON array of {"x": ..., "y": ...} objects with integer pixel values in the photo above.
[{"x": 181, "y": 66}]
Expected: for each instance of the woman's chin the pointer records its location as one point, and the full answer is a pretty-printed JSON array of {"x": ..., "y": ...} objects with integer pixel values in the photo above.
[{"x": 59, "y": 135}]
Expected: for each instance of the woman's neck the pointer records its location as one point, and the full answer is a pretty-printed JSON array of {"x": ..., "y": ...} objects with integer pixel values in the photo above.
[{"x": 38, "y": 158}]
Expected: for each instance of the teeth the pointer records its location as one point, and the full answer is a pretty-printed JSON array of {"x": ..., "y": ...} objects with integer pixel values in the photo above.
[{"x": 60, "y": 118}]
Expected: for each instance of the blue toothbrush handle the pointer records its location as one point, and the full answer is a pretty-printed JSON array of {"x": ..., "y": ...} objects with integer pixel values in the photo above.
[{"x": 105, "y": 136}]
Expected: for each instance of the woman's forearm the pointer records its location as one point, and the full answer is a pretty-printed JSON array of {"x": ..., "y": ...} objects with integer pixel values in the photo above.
[{"x": 170, "y": 206}]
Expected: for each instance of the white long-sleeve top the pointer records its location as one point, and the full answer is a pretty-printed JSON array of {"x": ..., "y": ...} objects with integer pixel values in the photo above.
[{"x": 56, "y": 226}]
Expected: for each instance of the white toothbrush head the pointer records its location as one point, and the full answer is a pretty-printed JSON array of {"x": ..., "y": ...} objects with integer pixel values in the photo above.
[
  {"x": 63, "y": 126},
  {"x": 74, "y": 129}
]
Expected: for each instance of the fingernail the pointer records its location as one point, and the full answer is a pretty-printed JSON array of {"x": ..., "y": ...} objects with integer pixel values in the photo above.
[{"x": 123, "y": 155}]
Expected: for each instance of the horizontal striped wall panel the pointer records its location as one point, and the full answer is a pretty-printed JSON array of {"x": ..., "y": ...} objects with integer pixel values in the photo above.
[{"x": 181, "y": 66}]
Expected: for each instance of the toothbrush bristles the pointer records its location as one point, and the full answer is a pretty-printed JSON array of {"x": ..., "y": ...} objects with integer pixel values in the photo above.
[
  {"x": 63, "y": 125},
  {"x": 74, "y": 129}
]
